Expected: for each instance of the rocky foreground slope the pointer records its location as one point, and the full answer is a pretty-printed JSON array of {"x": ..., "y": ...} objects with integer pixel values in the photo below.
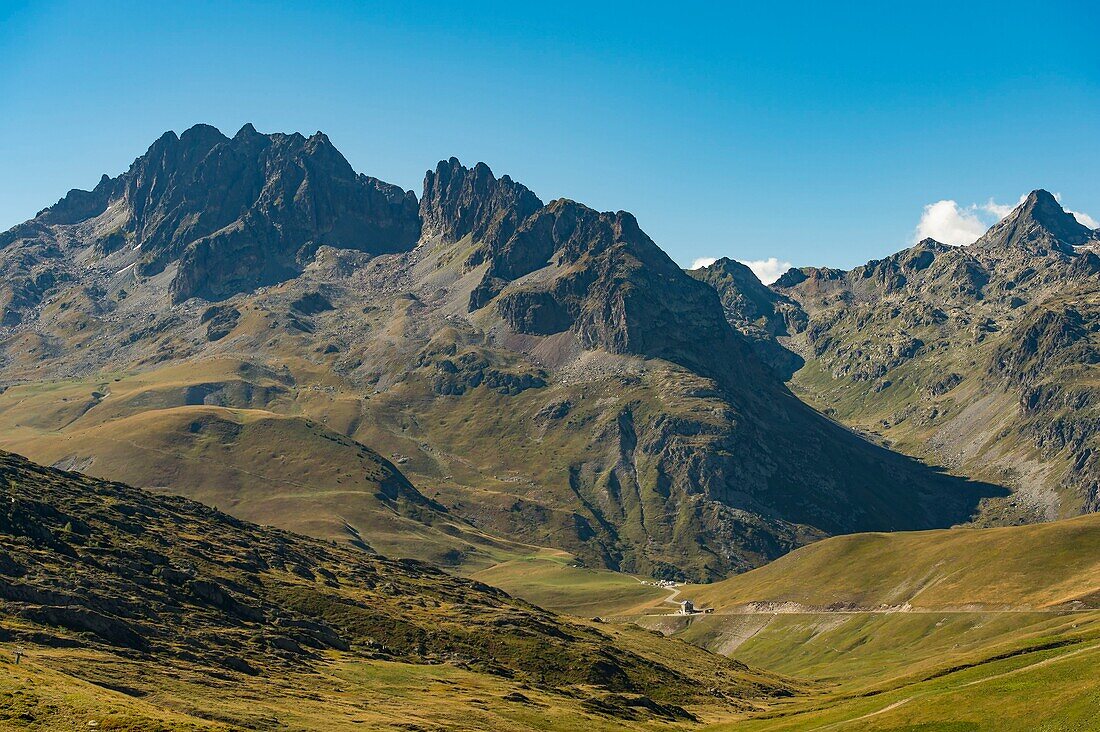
[
  {"x": 543, "y": 373},
  {"x": 97, "y": 576},
  {"x": 983, "y": 358}
]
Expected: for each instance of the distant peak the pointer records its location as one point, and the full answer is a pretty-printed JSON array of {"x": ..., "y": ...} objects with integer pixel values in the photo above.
[
  {"x": 201, "y": 129},
  {"x": 201, "y": 133},
  {"x": 246, "y": 131},
  {"x": 930, "y": 243},
  {"x": 1040, "y": 195},
  {"x": 1038, "y": 224}
]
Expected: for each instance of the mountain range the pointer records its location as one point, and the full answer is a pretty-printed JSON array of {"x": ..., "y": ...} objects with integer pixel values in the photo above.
[
  {"x": 979, "y": 358},
  {"x": 533, "y": 373},
  {"x": 311, "y": 451}
]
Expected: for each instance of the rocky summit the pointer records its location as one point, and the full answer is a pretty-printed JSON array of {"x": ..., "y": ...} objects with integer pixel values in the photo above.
[
  {"x": 229, "y": 214},
  {"x": 542, "y": 374}
]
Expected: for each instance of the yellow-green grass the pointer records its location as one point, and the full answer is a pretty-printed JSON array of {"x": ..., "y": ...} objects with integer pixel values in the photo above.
[
  {"x": 68, "y": 688},
  {"x": 1037, "y": 566},
  {"x": 267, "y": 468},
  {"x": 47, "y": 691},
  {"x": 550, "y": 579},
  {"x": 950, "y": 625},
  {"x": 1042, "y": 686},
  {"x": 861, "y": 650}
]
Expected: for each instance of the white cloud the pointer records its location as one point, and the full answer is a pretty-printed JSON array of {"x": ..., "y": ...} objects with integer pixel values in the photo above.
[
  {"x": 1082, "y": 218},
  {"x": 947, "y": 222},
  {"x": 1000, "y": 210},
  {"x": 766, "y": 270},
  {"x": 701, "y": 262}
]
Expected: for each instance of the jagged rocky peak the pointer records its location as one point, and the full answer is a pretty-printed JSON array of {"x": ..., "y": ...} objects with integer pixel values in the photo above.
[
  {"x": 240, "y": 212},
  {"x": 729, "y": 267},
  {"x": 608, "y": 283},
  {"x": 797, "y": 275},
  {"x": 460, "y": 201},
  {"x": 1038, "y": 225}
]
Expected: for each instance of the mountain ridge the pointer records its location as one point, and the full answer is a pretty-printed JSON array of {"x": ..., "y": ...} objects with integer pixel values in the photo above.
[
  {"x": 975, "y": 357},
  {"x": 638, "y": 428}
]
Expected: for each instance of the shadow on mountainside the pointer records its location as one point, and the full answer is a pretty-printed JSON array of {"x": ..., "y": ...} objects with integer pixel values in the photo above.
[{"x": 947, "y": 499}]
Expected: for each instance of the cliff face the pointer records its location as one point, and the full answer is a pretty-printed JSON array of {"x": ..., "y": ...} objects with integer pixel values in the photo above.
[
  {"x": 606, "y": 281},
  {"x": 460, "y": 201}
]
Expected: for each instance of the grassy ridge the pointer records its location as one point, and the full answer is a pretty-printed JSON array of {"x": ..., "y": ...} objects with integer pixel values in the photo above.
[
  {"x": 279, "y": 468},
  {"x": 960, "y": 629},
  {"x": 1042, "y": 681},
  {"x": 1018, "y": 567}
]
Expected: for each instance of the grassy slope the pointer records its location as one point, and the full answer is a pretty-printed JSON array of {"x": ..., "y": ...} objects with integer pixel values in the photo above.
[
  {"x": 968, "y": 655},
  {"x": 1035, "y": 566},
  {"x": 1045, "y": 683},
  {"x": 49, "y": 691},
  {"x": 104, "y": 589},
  {"x": 549, "y": 579},
  {"x": 279, "y": 457},
  {"x": 270, "y": 467}
]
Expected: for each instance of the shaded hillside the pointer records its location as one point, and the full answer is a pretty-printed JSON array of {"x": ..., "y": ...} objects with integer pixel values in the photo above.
[
  {"x": 546, "y": 373},
  {"x": 90, "y": 570}
]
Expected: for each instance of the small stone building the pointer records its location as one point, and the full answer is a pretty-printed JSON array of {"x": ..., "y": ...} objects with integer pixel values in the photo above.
[{"x": 687, "y": 607}]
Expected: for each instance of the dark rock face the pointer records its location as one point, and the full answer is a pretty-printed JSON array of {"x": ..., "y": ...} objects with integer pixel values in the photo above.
[
  {"x": 220, "y": 321},
  {"x": 460, "y": 201},
  {"x": 312, "y": 303},
  {"x": 307, "y": 197},
  {"x": 609, "y": 283},
  {"x": 242, "y": 212}
]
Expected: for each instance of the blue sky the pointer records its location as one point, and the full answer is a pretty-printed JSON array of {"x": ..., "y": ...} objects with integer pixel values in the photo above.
[{"x": 814, "y": 133}]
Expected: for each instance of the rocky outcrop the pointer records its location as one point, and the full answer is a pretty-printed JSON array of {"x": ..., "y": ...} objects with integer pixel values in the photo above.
[
  {"x": 608, "y": 283},
  {"x": 460, "y": 201},
  {"x": 760, "y": 313}
]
